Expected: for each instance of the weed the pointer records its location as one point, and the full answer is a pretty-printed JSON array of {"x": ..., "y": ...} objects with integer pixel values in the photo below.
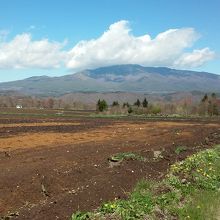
[
  {"x": 81, "y": 216},
  {"x": 126, "y": 156},
  {"x": 180, "y": 149}
]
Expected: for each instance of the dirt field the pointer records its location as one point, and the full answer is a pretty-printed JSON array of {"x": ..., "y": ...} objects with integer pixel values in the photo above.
[{"x": 50, "y": 168}]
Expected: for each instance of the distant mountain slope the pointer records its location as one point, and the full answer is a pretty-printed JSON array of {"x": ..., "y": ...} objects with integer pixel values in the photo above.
[{"x": 127, "y": 78}]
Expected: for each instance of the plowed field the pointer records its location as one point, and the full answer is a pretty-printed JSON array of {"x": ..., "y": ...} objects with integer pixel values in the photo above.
[{"x": 50, "y": 168}]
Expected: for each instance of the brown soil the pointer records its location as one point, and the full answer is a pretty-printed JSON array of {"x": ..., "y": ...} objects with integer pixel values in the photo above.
[{"x": 50, "y": 168}]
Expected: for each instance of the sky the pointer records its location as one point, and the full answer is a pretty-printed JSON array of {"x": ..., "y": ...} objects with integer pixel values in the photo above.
[{"x": 59, "y": 37}]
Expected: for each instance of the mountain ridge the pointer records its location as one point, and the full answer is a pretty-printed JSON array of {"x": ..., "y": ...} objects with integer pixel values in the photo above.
[{"x": 125, "y": 78}]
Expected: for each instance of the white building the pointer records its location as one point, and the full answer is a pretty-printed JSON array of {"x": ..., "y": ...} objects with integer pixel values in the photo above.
[{"x": 19, "y": 106}]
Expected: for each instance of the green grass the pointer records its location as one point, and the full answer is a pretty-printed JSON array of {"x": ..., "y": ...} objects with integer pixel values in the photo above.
[
  {"x": 126, "y": 156},
  {"x": 180, "y": 149},
  {"x": 190, "y": 190},
  {"x": 204, "y": 205}
]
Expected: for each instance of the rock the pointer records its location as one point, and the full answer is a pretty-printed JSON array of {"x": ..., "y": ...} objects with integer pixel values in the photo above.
[
  {"x": 157, "y": 155},
  {"x": 183, "y": 181}
]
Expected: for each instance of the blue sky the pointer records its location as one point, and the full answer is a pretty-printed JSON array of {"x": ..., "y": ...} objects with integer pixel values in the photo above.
[{"x": 42, "y": 37}]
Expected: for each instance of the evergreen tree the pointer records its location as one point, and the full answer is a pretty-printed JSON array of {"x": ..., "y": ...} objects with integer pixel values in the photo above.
[
  {"x": 102, "y": 105},
  {"x": 145, "y": 103},
  {"x": 205, "y": 98},
  {"x": 115, "y": 103},
  {"x": 137, "y": 103},
  {"x": 126, "y": 104},
  {"x": 213, "y": 95}
]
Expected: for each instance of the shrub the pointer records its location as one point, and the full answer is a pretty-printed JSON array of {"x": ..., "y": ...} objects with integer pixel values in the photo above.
[
  {"x": 102, "y": 105},
  {"x": 155, "y": 109},
  {"x": 130, "y": 110}
]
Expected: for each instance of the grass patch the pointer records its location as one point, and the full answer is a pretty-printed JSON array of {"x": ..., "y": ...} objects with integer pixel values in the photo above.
[
  {"x": 203, "y": 206},
  {"x": 180, "y": 149},
  {"x": 190, "y": 190},
  {"x": 126, "y": 156}
]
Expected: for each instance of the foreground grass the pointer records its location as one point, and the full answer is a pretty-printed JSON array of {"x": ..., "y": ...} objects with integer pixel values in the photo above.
[
  {"x": 204, "y": 205},
  {"x": 189, "y": 191}
]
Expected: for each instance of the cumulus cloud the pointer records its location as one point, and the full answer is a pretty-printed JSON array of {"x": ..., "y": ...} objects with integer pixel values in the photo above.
[
  {"x": 195, "y": 58},
  {"x": 119, "y": 46},
  {"x": 23, "y": 52}
]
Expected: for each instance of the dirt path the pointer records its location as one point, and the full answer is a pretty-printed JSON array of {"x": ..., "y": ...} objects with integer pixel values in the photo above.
[{"x": 50, "y": 171}]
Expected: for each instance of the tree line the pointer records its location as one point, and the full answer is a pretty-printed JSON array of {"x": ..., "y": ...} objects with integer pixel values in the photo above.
[
  {"x": 102, "y": 104},
  {"x": 137, "y": 107},
  {"x": 209, "y": 105}
]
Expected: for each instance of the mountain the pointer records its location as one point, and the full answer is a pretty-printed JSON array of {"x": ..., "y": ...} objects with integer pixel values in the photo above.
[{"x": 125, "y": 78}]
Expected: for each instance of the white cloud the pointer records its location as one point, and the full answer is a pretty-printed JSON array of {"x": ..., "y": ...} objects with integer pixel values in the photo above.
[
  {"x": 119, "y": 46},
  {"x": 195, "y": 58},
  {"x": 23, "y": 52}
]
